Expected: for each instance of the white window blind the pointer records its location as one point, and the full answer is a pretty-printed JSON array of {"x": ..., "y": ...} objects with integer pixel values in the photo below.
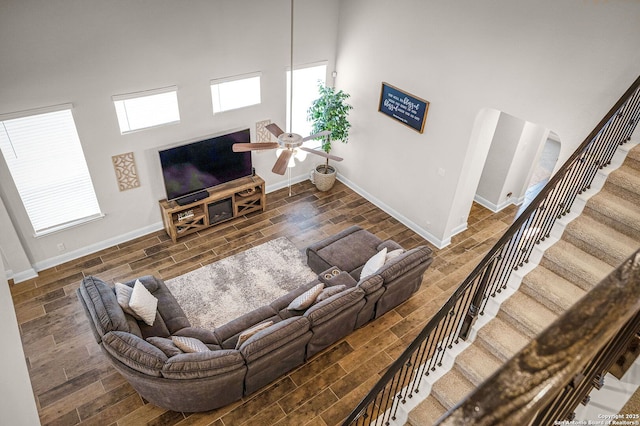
[
  {"x": 235, "y": 92},
  {"x": 151, "y": 108},
  {"x": 305, "y": 91},
  {"x": 48, "y": 167}
]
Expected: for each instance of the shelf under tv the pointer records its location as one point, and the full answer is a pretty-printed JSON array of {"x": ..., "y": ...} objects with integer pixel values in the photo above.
[{"x": 221, "y": 203}]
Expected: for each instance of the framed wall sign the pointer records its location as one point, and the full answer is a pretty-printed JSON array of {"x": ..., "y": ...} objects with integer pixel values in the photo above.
[{"x": 404, "y": 107}]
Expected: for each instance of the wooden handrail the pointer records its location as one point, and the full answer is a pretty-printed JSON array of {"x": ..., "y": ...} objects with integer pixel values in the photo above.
[{"x": 528, "y": 382}]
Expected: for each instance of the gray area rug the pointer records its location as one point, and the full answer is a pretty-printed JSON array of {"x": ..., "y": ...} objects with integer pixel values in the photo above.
[{"x": 215, "y": 294}]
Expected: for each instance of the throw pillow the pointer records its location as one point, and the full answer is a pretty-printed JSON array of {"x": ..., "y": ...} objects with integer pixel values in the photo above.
[
  {"x": 245, "y": 335},
  {"x": 189, "y": 344},
  {"x": 306, "y": 299},
  {"x": 123, "y": 295},
  {"x": 393, "y": 254},
  {"x": 330, "y": 291},
  {"x": 165, "y": 345},
  {"x": 374, "y": 263},
  {"x": 143, "y": 303}
]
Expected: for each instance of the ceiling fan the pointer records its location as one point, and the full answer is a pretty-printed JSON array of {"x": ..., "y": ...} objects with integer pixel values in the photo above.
[{"x": 289, "y": 143}]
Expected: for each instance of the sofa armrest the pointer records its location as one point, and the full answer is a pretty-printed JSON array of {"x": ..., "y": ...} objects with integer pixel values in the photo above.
[
  {"x": 334, "y": 276},
  {"x": 134, "y": 352}
]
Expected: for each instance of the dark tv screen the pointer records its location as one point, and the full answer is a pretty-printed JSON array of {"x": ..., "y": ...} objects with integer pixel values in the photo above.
[{"x": 204, "y": 164}]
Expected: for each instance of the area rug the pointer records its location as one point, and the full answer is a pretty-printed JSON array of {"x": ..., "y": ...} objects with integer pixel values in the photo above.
[{"x": 215, "y": 294}]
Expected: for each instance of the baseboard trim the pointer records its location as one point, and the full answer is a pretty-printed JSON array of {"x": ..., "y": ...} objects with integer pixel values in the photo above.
[
  {"x": 75, "y": 254},
  {"x": 21, "y": 276},
  {"x": 400, "y": 217}
]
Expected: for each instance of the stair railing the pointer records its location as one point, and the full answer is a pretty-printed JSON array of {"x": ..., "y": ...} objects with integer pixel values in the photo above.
[
  {"x": 455, "y": 319},
  {"x": 544, "y": 382}
]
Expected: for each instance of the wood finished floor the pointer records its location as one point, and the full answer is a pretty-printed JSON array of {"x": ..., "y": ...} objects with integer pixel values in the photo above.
[{"x": 73, "y": 382}]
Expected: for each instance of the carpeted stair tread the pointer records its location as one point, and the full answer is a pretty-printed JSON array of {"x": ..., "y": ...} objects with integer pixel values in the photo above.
[
  {"x": 526, "y": 314},
  {"x": 625, "y": 183},
  {"x": 426, "y": 413},
  {"x": 633, "y": 158},
  {"x": 615, "y": 212},
  {"x": 451, "y": 388},
  {"x": 476, "y": 364},
  {"x": 574, "y": 265},
  {"x": 600, "y": 240},
  {"x": 500, "y": 339},
  {"x": 549, "y": 288}
]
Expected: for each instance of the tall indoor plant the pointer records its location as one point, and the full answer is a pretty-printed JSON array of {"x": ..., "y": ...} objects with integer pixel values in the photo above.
[{"x": 329, "y": 112}]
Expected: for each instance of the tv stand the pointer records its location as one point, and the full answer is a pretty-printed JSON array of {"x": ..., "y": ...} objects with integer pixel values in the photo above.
[
  {"x": 219, "y": 204},
  {"x": 192, "y": 198}
]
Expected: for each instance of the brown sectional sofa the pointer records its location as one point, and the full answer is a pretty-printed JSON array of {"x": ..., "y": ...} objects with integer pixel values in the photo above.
[{"x": 203, "y": 381}]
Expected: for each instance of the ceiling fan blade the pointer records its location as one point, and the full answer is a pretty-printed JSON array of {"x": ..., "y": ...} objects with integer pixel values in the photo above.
[
  {"x": 281, "y": 163},
  {"x": 244, "y": 147},
  {"x": 274, "y": 129},
  {"x": 321, "y": 153},
  {"x": 317, "y": 135}
]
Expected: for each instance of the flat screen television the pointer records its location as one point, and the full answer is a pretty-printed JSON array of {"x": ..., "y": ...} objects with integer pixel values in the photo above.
[{"x": 191, "y": 168}]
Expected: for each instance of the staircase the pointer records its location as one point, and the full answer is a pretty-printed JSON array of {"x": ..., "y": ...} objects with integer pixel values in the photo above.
[{"x": 589, "y": 247}]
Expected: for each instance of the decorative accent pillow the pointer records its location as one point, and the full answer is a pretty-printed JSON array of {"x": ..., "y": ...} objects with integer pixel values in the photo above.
[
  {"x": 123, "y": 295},
  {"x": 393, "y": 254},
  {"x": 330, "y": 291},
  {"x": 143, "y": 303},
  {"x": 245, "y": 335},
  {"x": 374, "y": 263},
  {"x": 165, "y": 345},
  {"x": 189, "y": 344},
  {"x": 306, "y": 299}
]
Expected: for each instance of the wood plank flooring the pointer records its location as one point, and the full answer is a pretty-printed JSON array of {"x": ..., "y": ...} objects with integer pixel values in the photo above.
[{"x": 73, "y": 382}]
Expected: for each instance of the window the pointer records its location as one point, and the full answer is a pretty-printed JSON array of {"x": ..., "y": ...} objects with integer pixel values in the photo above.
[
  {"x": 235, "y": 92},
  {"x": 45, "y": 159},
  {"x": 151, "y": 108},
  {"x": 305, "y": 91}
]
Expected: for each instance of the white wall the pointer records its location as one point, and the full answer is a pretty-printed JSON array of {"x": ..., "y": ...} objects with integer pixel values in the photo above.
[
  {"x": 16, "y": 395},
  {"x": 502, "y": 151},
  {"x": 560, "y": 65},
  {"x": 84, "y": 52}
]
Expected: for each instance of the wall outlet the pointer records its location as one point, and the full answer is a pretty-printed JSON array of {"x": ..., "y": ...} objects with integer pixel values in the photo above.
[
  {"x": 441, "y": 171},
  {"x": 61, "y": 247}
]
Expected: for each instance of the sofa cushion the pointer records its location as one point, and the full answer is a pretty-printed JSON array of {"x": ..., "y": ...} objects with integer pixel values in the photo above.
[
  {"x": 306, "y": 299},
  {"x": 371, "y": 283},
  {"x": 330, "y": 307},
  {"x": 134, "y": 352},
  {"x": 198, "y": 365},
  {"x": 123, "y": 295},
  {"x": 330, "y": 291},
  {"x": 405, "y": 262},
  {"x": 143, "y": 303},
  {"x": 273, "y": 337},
  {"x": 189, "y": 344},
  {"x": 101, "y": 304},
  {"x": 205, "y": 336},
  {"x": 228, "y": 333},
  {"x": 245, "y": 335},
  {"x": 374, "y": 263},
  {"x": 165, "y": 345}
]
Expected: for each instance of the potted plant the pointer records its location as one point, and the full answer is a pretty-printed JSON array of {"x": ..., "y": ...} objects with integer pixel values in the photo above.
[{"x": 329, "y": 112}]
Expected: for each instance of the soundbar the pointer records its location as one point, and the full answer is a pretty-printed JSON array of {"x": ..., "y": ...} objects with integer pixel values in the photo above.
[{"x": 192, "y": 198}]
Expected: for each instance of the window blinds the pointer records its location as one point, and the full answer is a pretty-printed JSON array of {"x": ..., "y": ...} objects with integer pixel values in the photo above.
[{"x": 47, "y": 164}]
